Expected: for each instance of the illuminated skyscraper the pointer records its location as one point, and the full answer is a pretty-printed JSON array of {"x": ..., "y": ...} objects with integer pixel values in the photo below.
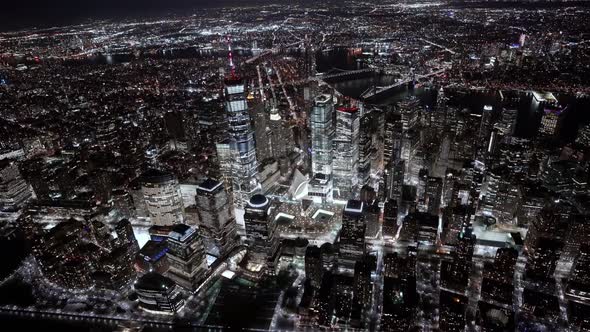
[
  {"x": 432, "y": 194},
  {"x": 163, "y": 200},
  {"x": 216, "y": 214},
  {"x": 363, "y": 286},
  {"x": 240, "y": 160},
  {"x": 352, "y": 234},
  {"x": 186, "y": 254},
  {"x": 280, "y": 138},
  {"x": 346, "y": 152},
  {"x": 322, "y": 134},
  {"x": 262, "y": 235},
  {"x": 158, "y": 294},
  {"x": 486, "y": 123},
  {"x": 550, "y": 122}
]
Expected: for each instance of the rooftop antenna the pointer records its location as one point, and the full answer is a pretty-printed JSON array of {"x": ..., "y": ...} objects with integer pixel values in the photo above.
[{"x": 230, "y": 57}]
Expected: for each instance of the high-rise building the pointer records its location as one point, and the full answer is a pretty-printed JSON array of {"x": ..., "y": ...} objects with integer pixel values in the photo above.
[
  {"x": 152, "y": 257},
  {"x": 390, "y": 226},
  {"x": 215, "y": 213},
  {"x": 363, "y": 289},
  {"x": 328, "y": 255},
  {"x": 578, "y": 235},
  {"x": 578, "y": 285},
  {"x": 410, "y": 111},
  {"x": 452, "y": 312},
  {"x": 343, "y": 297},
  {"x": 393, "y": 138},
  {"x": 370, "y": 130},
  {"x": 281, "y": 137},
  {"x": 583, "y": 136},
  {"x": 398, "y": 267},
  {"x": 498, "y": 277},
  {"x": 501, "y": 195},
  {"x": 455, "y": 219},
  {"x": 454, "y": 275},
  {"x": 550, "y": 122},
  {"x": 322, "y": 134},
  {"x": 545, "y": 240},
  {"x": 325, "y": 301},
  {"x": 210, "y": 125},
  {"x": 399, "y": 302},
  {"x": 363, "y": 286},
  {"x": 485, "y": 125},
  {"x": 346, "y": 153},
  {"x": 185, "y": 254},
  {"x": 314, "y": 270},
  {"x": 242, "y": 156},
  {"x": 394, "y": 174},
  {"x": 352, "y": 234},
  {"x": 262, "y": 235},
  {"x": 507, "y": 122},
  {"x": 162, "y": 197},
  {"x": 433, "y": 194},
  {"x": 126, "y": 237},
  {"x": 158, "y": 294},
  {"x": 262, "y": 132},
  {"x": 14, "y": 190}
]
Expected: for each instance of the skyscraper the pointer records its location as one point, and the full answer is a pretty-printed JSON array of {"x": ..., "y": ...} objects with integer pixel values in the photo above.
[
  {"x": 314, "y": 270},
  {"x": 432, "y": 194},
  {"x": 346, "y": 152},
  {"x": 545, "y": 240},
  {"x": 14, "y": 190},
  {"x": 352, "y": 234},
  {"x": 162, "y": 197},
  {"x": 550, "y": 122},
  {"x": 281, "y": 139},
  {"x": 262, "y": 235},
  {"x": 242, "y": 170},
  {"x": 367, "y": 130},
  {"x": 216, "y": 215},
  {"x": 393, "y": 138},
  {"x": 157, "y": 293},
  {"x": 452, "y": 312},
  {"x": 579, "y": 281},
  {"x": 186, "y": 254},
  {"x": 394, "y": 174},
  {"x": 322, "y": 134},
  {"x": 485, "y": 125},
  {"x": 363, "y": 286}
]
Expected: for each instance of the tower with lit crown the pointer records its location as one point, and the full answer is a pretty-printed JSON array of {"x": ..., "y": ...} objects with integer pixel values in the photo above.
[{"x": 238, "y": 153}]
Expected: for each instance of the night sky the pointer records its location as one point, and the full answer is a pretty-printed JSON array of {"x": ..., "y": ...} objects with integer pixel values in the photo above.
[{"x": 19, "y": 14}]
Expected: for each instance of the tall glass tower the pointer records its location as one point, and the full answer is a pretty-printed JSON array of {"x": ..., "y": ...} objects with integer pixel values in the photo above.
[
  {"x": 322, "y": 134},
  {"x": 346, "y": 152},
  {"x": 242, "y": 171}
]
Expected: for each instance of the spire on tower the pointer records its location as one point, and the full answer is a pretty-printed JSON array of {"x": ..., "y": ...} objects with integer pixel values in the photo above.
[{"x": 230, "y": 57}]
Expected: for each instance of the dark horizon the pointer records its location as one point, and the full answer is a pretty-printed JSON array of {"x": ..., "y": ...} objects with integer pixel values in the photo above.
[{"x": 45, "y": 14}]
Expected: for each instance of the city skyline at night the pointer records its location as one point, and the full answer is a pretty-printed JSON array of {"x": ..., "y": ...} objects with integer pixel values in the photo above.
[{"x": 400, "y": 165}]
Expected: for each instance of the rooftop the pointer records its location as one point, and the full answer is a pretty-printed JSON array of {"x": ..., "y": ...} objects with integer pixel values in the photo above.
[{"x": 154, "y": 281}]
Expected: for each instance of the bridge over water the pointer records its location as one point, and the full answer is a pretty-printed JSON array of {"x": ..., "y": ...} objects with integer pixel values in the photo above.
[{"x": 370, "y": 93}]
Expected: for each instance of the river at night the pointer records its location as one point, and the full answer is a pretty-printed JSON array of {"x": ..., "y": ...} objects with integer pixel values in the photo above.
[{"x": 529, "y": 111}]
